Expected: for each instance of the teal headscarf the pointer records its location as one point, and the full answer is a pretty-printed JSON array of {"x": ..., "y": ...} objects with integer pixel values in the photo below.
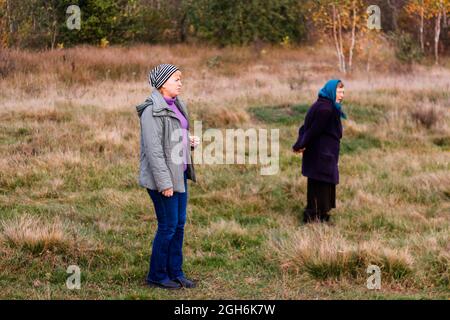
[{"x": 329, "y": 92}]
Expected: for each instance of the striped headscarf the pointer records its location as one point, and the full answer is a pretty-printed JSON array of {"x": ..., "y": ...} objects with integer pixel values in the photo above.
[{"x": 160, "y": 74}]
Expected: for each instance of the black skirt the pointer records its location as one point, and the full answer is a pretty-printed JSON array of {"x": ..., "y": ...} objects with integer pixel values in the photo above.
[{"x": 321, "y": 198}]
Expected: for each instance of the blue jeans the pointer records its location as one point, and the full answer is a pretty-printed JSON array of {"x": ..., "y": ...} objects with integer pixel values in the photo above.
[{"x": 167, "y": 256}]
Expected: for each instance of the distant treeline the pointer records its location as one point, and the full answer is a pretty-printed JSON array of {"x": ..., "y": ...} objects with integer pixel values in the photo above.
[{"x": 42, "y": 23}]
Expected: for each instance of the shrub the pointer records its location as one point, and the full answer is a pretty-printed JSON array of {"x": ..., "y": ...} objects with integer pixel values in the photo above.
[
  {"x": 406, "y": 49},
  {"x": 428, "y": 117},
  {"x": 243, "y": 22}
]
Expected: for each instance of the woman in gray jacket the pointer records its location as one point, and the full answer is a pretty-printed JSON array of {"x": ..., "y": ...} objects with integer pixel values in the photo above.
[{"x": 165, "y": 166}]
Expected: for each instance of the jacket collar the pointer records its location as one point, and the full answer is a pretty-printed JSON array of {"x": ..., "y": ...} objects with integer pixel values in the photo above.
[
  {"x": 322, "y": 98},
  {"x": 161, "y": 108}
]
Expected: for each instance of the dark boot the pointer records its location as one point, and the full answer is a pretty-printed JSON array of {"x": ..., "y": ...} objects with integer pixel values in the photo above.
[
  {"x": 310, "y": 215},
  {"x": 324, "y": 217}
]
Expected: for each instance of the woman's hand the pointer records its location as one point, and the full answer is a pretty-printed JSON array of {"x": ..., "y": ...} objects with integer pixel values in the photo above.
[
  {"x": 168, "y": 192},
  {"x": 194, "y": 140},
  {"x": 299, "y": 150}
]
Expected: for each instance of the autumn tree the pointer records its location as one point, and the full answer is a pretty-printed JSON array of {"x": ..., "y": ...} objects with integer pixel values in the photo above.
[
  {"x": 339, "y": 20},
  {"x": 437, "y": 9},
  {"x": 429, "y": 10},
  {"x": 417, "y": 8},
  {"x": 395, "y": 7}
]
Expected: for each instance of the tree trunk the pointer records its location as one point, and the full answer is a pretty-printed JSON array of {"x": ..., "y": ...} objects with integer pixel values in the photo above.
[
  {"x": 55, "y": 31},
  {"x": 341, "y": 43},
  {"x": 444, "y": 16},
  {"x": 437, "y": 31},
  {"x": 182, "y": 26},
  {"x": 369, "y": 47},
  {"x": 422, "y": 46},
  {"x": 8, "y": 17},
  {"x": 352, "y": 45},
  {"x": 336, "y": 42},
  {"x": 394, "y": 15}
]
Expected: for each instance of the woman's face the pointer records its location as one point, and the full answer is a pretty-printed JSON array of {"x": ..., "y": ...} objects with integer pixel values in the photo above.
[
  {"x": 339, "y": 94},
  {"x": 172, "y": 87}
]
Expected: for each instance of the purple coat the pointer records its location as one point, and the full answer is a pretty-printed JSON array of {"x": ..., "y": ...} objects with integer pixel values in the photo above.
[{"x": 320, "y": 135}]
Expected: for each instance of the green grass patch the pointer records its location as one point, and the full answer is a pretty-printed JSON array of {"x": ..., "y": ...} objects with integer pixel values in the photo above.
[
  {"x": 442, "y": 142},
  {"x": 363, "y": 114},
  {"x": 361, "y": 142},
  {"x": 283, "y": 114}
]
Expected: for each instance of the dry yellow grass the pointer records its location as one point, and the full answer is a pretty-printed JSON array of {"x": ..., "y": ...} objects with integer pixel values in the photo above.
[
  {"x": 227, "y": 227},
  {"x": 34, "y": 234},
  {"x": 324, "y": 252}
]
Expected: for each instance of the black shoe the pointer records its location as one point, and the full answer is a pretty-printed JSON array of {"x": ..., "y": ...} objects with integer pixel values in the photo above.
[
  {"x": 324, "y": 217},
  {"x": 310, "y": 216},
  {"x": 169, "y": 285},
  {"x": 185, "y": 283},
  {"x": 306, "y": 216}
]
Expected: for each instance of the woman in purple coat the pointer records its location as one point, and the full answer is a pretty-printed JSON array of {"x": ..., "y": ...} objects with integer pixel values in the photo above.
[{"x": 319, "y": 141}]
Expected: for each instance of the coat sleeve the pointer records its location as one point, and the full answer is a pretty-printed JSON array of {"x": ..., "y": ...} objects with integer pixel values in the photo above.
[
  {"x": 319, "y": 122},
  {"x": 153, "y": 147},
  {"x": 301, "y": 132}
]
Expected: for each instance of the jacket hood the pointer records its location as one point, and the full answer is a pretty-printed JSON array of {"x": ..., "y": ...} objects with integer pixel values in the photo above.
[
  {"x": 140, "y": 108},
  {"x": 157, "y": 102}
]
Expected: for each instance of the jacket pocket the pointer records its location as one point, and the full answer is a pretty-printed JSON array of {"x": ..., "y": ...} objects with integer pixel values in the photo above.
[
  {"x": 326, "y": 164},
  {"x": 174, "y": 155}
]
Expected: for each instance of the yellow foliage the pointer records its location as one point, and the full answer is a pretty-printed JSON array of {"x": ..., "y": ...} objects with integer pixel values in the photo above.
[
  {"x": 286, "y": 43},
  {"x": 104, "y": 43}
]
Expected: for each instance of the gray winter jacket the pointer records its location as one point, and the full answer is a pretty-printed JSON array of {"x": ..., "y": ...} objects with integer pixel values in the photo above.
[{"x": 161, "y": 142}]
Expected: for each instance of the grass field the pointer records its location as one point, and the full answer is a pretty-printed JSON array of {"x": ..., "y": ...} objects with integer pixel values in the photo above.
[{"x": 69, "y": 143}]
